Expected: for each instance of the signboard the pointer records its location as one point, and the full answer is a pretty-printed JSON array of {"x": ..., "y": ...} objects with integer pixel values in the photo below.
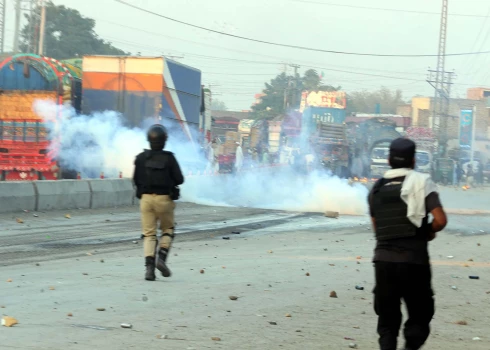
[
  {"x": 323, "y": 99},
  {"x": 466, "y": 127}
]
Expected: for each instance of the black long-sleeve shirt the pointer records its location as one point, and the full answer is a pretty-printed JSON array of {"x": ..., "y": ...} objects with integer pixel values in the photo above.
[{"x": 139, "y": 175}]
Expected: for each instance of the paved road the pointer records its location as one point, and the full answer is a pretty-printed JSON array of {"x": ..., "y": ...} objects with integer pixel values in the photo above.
[
  {"x": 265, "y": 266},
  {"x": 56, "y": 288},
  {"x": 51, "y": 235}
]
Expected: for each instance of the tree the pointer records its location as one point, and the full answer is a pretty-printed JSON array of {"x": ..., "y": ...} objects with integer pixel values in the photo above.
[
  {"x": 218, "y": 105},
  {"x": 284, "y": 92},
  {"x": 312, "y": 81},
  {"x": 67, "y": 34},
  {"x": 276, "y": 93},
  {"x": 366, "y": 101}
]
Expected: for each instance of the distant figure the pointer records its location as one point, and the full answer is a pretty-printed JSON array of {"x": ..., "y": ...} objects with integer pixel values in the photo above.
[
  {"x": 459, "y": 173},
  {"x": 399, "y": 205},
  {"x": 238, "y": 157},
  {"x": 480, "y": 174},
  {"x": 213, "y": 164},
  {"x": 470, "y": 176},
  {"x": 265, "y": 157}
]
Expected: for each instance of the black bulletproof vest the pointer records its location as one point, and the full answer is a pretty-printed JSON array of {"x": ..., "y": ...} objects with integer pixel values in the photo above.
[
  {"x": 390, "y": 211},
  {"x": 157, "y": 171}
]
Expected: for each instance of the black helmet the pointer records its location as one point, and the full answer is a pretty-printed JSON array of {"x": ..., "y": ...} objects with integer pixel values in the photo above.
[{"x": 157, "y": 136}]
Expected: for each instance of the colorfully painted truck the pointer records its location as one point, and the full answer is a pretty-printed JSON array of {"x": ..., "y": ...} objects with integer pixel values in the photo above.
[
  {"x": 323, "y": 133},
  {"x": 26, "y": 152},
  {"x": 146, "y": 90}
]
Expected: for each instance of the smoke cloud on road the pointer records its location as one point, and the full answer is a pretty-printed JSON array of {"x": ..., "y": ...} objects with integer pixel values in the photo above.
[{"x": 101, "y": 143}]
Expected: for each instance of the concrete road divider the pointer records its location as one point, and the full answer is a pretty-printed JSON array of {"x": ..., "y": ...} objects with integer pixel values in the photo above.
[
  {"x": 17, "y": 196},
  {"x": 65, "y": 194},
  {"x": 62, "y": 194},
  {"x": 111, "y": 193}
]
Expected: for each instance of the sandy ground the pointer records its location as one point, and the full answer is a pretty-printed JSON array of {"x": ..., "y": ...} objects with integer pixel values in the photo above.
[{"x": 52, "y": 276}]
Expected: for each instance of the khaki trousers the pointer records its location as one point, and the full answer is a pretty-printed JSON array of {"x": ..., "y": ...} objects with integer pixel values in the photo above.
[{"x": 156, "y": 208}]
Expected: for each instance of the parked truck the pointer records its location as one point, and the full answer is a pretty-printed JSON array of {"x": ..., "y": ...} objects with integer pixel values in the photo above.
[
  {"x": 323, "y": 134},
  {"x": 146, "y": 90},
  {"x": 369, "y": 144},
  {"x": 26, "y": 151},
  {"x": 426, "y": 143}
]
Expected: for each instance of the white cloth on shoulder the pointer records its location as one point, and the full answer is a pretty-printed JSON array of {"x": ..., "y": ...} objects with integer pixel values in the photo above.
[{"x": 416, "y": 187}]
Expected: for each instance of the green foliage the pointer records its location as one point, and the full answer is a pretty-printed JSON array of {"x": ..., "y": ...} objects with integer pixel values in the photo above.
[
  {"x": 365, "y": 101},
  {"x": 218, "y": 105},
  {"x": 284, "y": 92},
  {"x": 68, "y": 34}
]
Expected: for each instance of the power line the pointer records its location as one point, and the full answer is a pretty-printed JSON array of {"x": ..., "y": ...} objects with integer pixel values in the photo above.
[
  {"x": 306, "y": 65},
  {"x": 233, "y": 50},
  {"x": 276, "y": 63},
  {"x": 386, "y": 9},
  {"x": 292, "y": 46}
]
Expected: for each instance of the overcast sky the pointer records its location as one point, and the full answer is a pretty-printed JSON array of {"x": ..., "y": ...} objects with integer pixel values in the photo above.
[{"x": 236, "y": 69}]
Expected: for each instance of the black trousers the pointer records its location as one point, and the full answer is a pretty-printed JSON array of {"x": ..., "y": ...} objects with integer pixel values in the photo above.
[{"x": 412, "y": 283}]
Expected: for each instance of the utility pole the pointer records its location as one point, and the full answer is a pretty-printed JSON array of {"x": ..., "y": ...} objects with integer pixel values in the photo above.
[
  {"x": 18, "y": 11},
  {"x": 3, "y": 11},
  {"x": 295, "y": 67},
  {"x": 441, "y": 81},
  {"x": 42, "y": 27}
]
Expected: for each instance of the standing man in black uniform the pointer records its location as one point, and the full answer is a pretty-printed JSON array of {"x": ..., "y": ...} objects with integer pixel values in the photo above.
[
  {"x": 399, "y": 206},
  {"x": 157, "y": 176}
]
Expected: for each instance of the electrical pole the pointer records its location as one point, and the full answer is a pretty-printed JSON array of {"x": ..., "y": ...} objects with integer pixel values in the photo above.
[
  {"x": 42, "y": 27},
  {"x": 295, "y": 67},
  {"x": 441, "y": 81},
  {"x": 18, "y": 11},
  {"x": 3, "y": 11}
]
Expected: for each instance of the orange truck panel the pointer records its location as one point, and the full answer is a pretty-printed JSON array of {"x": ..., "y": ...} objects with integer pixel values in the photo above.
[
  {"x": 123, "y": 82},
  {"x": 18, "y": 105}
]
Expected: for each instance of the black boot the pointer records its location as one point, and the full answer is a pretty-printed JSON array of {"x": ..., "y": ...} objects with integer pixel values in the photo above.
[
  {"x": 161, "y": 266},
  {"x": 150, "y": 268}
]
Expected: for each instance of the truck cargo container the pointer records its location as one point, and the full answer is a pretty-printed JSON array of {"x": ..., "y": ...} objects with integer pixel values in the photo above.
[
  {"x": 371, "y": 142},
  {"x": 426, "y": 143},
  {"x": 142, "y": 88},
  {"x": 26, "y": 152}
]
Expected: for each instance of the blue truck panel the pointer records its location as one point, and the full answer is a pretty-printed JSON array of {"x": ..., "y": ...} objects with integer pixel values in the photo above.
[
  {"x": 134, "y": 106},
  {"x": 313, "y": 115},
  {"x": 12, "y": 77},
  {"x": 186, "y": 79}
]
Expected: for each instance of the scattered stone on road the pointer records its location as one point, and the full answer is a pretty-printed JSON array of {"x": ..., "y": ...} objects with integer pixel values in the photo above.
[
  {"x": 126, "y": 325},
  {"x": 216, "y": 338},
  {"x": 332, "y": 214},
  {"x": 232, "y": 297},
  {"x": 100, "y": 309},
  {"x": 8, "y": 321},
  {"x": 333, "y": 294}
]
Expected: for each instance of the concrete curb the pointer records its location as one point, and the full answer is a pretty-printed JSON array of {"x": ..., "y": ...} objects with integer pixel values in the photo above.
[{"x": 65, "y": 194}]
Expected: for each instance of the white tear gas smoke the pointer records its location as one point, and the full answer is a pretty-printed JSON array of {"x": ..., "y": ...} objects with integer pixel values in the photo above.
[{"x": 101, "y": 143}]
